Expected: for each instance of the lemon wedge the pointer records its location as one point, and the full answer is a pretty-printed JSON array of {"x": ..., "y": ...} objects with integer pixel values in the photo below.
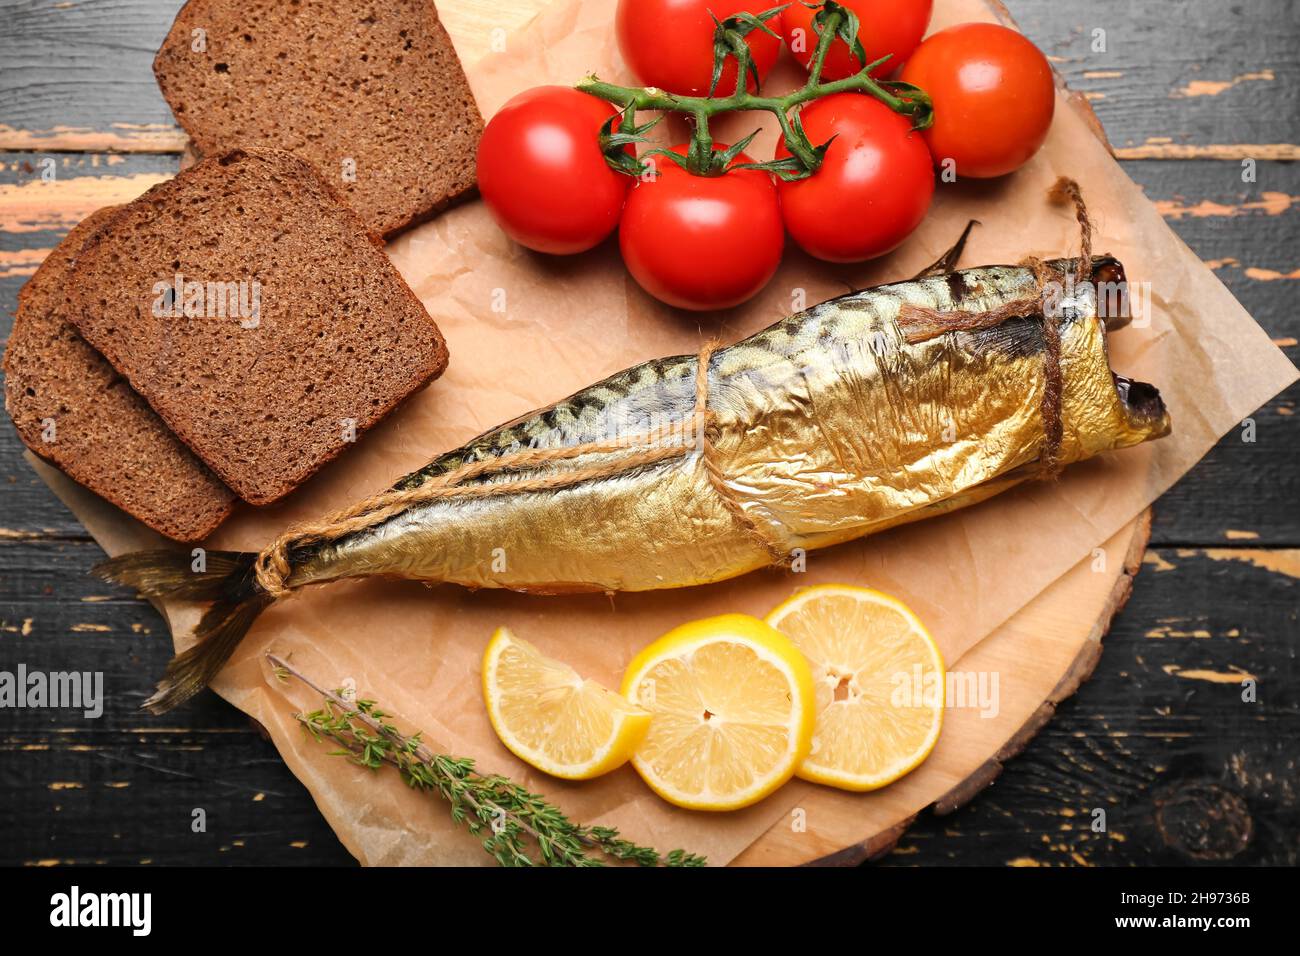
[
  {"x": 548, "y": 716},
  {"x": 880, "y": 680},
  {"x": 732, "y": 703}
]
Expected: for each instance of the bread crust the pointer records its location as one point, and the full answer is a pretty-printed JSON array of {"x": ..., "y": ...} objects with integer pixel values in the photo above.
[
  {"x": 339, "y": 339},
  {"x": 379, "y": 85},
  {"x": 105, "y": 436}
]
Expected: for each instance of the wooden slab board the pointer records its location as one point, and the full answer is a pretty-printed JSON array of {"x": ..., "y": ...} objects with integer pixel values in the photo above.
[{"x": 1041, "y": 656}]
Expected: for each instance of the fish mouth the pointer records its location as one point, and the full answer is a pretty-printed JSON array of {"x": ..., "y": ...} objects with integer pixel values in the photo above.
[{"x": 1144, "y": 407}]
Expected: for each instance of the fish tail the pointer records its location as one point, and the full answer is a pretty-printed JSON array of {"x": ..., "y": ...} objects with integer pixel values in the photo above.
[{"x": 225, "y": 578}]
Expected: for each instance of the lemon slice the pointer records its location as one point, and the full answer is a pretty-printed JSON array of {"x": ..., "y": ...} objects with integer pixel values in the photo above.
[
  {"x": 551, "y": 718},
  {"x": 733, "y": 712},
  {"x": 880, "y": 682}
]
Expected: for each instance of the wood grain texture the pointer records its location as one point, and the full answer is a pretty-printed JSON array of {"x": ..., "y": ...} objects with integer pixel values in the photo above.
[
  {"x": 1179, "y": 79},
  {"x": 1159, "y": 737}
]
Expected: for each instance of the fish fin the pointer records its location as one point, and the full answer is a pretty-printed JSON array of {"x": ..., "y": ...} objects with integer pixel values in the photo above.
[
  {"x": 227, "y": 579},
  {"x": 218, "y": 634},
  {"x": 948, "y": 261}
]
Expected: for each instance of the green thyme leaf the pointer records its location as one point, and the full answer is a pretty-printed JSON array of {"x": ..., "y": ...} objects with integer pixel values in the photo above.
[{"x": 516, "y": 826}]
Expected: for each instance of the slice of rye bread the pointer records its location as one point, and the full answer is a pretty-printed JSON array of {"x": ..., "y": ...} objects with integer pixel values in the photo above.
[
  {"x": 370, "y": 92},
  {"x": 268, "y": 381},
  {"x": 72, "y": 408}
]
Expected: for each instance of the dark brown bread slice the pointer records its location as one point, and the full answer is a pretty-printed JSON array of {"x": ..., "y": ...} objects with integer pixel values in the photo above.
[
  {"x": 267, "y": 397},
  {"x": 376, "y": 84},
  {"x": 72, "y": 408}
]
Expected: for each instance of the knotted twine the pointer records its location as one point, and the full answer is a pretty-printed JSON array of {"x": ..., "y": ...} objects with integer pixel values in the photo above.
[
  {"x": 920, "y": 324},
  {"x": 272, "y": 567}
]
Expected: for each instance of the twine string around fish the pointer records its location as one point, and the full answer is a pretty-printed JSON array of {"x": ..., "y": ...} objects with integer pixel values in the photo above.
[
  {"x": 920, "y": 324},
  {"x": 273, "y": 566}
]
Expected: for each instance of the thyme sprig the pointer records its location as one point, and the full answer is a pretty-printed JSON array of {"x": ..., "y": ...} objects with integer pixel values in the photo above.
[{"x": 515, "y": 826}]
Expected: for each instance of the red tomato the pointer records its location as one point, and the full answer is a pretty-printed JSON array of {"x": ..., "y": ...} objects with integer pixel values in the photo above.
[
  {"x": 669, "y": 43},
  {"x": 700, "y": 242},
  {"x": 543, "y": 175},
  {"x": 872, "y": 189},
  {"x": 892, "y": 27},
  {"x": 993, "y": 97}
]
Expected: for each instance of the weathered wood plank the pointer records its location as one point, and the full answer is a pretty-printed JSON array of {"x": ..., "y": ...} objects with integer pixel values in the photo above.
[
  {"x": 29, "y": 511},
  {"x": 122, "y": 788},
  {"x": 1246, "y": 231},
  {"x": 1180, "y": 79},
  {"x": 1241, "y": 492},
  {"x": 134, "y": 803},
  {"x": 1161, "y": 724},
  {"x": 79, "y": 76},
  {"x": 43, "y": 195}
]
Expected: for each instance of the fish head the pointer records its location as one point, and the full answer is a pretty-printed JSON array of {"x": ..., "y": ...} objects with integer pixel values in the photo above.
[
  {"x": 1145, "y": 417},
  {"x": 1131, "y": 412}
]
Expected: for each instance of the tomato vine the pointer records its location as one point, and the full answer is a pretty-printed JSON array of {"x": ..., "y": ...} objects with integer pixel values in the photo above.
[{"x": 833, "y": 22}]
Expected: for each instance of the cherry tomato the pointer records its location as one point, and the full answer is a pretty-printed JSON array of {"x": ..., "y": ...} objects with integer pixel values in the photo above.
[
  {"x": 702, "y": 242},
  {"x": 542, "y": 174},
  {"x": 669, "y": 43},
  {"x": 891, "y": 27},
  {"x": 871, "y": 190},
  {"x": 993, "y": 97}
]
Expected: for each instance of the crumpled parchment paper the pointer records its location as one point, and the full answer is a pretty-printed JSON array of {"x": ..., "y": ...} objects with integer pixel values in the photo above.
[{"x": 525, "y": 330}]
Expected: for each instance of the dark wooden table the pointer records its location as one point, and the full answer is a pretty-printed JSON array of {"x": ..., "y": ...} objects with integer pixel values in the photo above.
[{"x": 1160, "y": 737}]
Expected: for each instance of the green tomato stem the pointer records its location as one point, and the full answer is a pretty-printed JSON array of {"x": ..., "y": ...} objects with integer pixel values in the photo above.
[
  {"x": 794, "y": 144},
  {"x": 649, "y": 98},
  {"x": 824, "y": 41},
  {"x": 700, "y": 160}
]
